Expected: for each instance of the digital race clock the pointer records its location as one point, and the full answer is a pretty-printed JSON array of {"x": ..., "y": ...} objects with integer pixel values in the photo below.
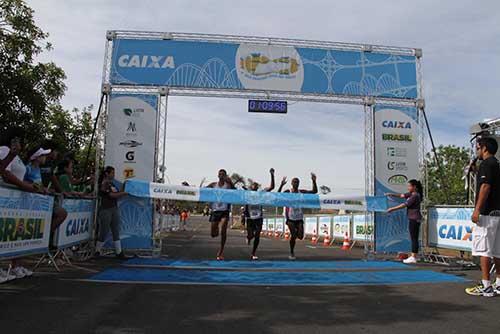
[{"x": 266, "y": 106}]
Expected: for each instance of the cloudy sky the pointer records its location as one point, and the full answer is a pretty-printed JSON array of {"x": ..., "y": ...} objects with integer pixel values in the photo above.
[{"x": 460, "y": 42}]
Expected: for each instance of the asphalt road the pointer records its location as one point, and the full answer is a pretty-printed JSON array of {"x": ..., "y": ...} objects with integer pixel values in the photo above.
[{"x": 52, "y": 302}]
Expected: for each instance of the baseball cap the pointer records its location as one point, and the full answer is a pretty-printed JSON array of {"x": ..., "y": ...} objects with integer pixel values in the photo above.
[{"x": 39, "y": 153}]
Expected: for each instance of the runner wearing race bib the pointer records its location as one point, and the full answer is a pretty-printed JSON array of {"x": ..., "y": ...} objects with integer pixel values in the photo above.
[
  {"x": 295, "y": 216},
  {"x": 220, "y": 212},
  {"x": 255, "y": 216}
]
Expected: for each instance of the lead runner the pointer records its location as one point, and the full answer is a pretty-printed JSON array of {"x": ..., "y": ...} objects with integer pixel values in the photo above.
[
  {"x": 295, "y": 216},
  {"x": 219, "y": 216}
]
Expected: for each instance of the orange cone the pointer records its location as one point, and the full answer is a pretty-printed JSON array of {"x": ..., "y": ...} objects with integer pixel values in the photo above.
[
  {"x": 346, "y": 245},
  {"x": 314, "y": 238},
  {"x": 327, "y": 241},
  {"x": 276, "y": 234},
  {"x": 287, "y": 235}
]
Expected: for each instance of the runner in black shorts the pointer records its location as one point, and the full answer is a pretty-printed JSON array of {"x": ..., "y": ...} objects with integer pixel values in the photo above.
[
  {"x": 295, "y": 216},
  {"x": 220, "y": 212},
  {"x": 254, "y": 217}
]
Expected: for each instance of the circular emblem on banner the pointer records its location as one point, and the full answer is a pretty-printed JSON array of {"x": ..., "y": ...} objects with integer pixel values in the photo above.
[{"x": 266, "y": 67}]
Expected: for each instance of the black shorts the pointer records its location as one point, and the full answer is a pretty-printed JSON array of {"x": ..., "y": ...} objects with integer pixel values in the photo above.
[
  {"x": 217, "y": 216},
  {"x": 254, "y": 224},
  {"x": 294, "y": 223}
]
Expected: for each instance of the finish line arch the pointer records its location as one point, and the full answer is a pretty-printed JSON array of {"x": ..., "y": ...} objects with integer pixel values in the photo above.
[{"x": 142, "y": 69}]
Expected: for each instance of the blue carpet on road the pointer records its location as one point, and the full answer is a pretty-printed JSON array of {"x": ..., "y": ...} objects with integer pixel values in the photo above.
[
  {"x": 214, "y": 277},
  {"x": 266, "y": 265}
]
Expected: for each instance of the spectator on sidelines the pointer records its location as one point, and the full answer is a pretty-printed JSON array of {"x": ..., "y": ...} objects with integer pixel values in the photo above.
[
  {"x": 48, "y": 169},
  {"x": 38, "y": 157},
  {"x": 65, "y": 177},
  {"x": 184, "y": 218},
  {"x": 12, "y": 170},
  {"x": 108, "y": 215}
]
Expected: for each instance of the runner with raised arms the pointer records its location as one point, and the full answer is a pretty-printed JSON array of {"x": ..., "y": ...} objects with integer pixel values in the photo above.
[
  {"x": 295, "y": 216},
  {"x": 255, "y": 216},
  {"x": 219, "y": 216}
]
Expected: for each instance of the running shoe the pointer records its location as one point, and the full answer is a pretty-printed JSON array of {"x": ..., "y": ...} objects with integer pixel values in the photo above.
[
  {"x": 410, "y": 260},
  {"x": 5, "y": 276},
  {"x": 220, "y": 258},
  {"x": 27, "y": 272},
  {"x": 18, "y": 272},
  {"x": 480, "y": 290},
  {"x": 497, "y": 289},
  {"x": 292, "y": 258},
  {"x": 121, "y": 256},
  {"x": 254, "y": 258}
]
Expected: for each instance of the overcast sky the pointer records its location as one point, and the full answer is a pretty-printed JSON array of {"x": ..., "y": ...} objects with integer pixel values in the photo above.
[{"x": 460, "y": 41}]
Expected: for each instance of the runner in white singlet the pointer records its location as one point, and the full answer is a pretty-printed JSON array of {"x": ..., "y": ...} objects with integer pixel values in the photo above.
[
  {"x": 220, "y": 212},
  {"x": 295, "y": 216},
  {"x": 254, "y": 217}
]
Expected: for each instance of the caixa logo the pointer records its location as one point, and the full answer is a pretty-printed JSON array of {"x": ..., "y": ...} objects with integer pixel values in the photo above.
[
  {"x": 396, "y": 124},
  {"x": 77, "y": 226},
  {"x": 146, "y": 61},
  {"x": 455, "y": 232}
]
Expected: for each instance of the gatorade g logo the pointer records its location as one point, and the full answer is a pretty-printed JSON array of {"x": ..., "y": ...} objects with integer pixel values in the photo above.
[{"x": 130, "y": 156}]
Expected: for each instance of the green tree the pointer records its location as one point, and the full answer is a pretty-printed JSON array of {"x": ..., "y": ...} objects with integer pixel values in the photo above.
[
  {"x": 71, "y": 131},
  {"x": 453, "y": 161},
  {"x": 28, "y": 89}
]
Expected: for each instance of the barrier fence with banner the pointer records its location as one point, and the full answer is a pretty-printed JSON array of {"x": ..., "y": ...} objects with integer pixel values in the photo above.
[
  {"x": 279, "y": 225},
  {"x": 311, "y": 226},
  {"x": 25, "y": 220},
  {"x": 450, "y": 227},
  {"x": 324, "y": 226},
  {"x": 341, "y": 226},
  {"x": 78, "y": 225},
  {"x": 362, "y": 228}
]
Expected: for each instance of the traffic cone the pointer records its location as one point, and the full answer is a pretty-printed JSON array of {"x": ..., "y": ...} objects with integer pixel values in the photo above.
[
  {"x": 287, "y": 235},
  {"x": 277, "y": 234},
  {"x": 270, "y": 234},
  {"x": 327, "y": 240},
  {"x": 346, "y": 245},
  {"x": 314, "y": 238}
]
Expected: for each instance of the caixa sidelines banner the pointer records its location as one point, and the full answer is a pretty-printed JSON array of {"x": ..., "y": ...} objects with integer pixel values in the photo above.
[
  {"x": 313, "y": 201},
  {"x": 25, "y": 220},
  {"x": 77, "y": 227},
  {"x": 450, "y": 228},
  {"x": 228, "y": 65}
]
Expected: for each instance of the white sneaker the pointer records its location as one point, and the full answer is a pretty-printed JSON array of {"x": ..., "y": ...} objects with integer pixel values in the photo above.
[
  {"x": 292, "y": 258},
  {"x": 254, "y": 257},
  {"x": 5, "y": 277},
  {"x": 18, "y": 272},
  {"x": 410, "y": 260},
  {"x": 27, "y": 272}
]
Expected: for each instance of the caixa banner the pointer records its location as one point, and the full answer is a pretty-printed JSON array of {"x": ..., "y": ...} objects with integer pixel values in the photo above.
[
  {"x": 451, "y": 228},
  {"x": 229, "y": 65},
  {"x": 78, "y": 225},
  {"x": 131, "y": 135},
  {"x": 396, "y": 162}
]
